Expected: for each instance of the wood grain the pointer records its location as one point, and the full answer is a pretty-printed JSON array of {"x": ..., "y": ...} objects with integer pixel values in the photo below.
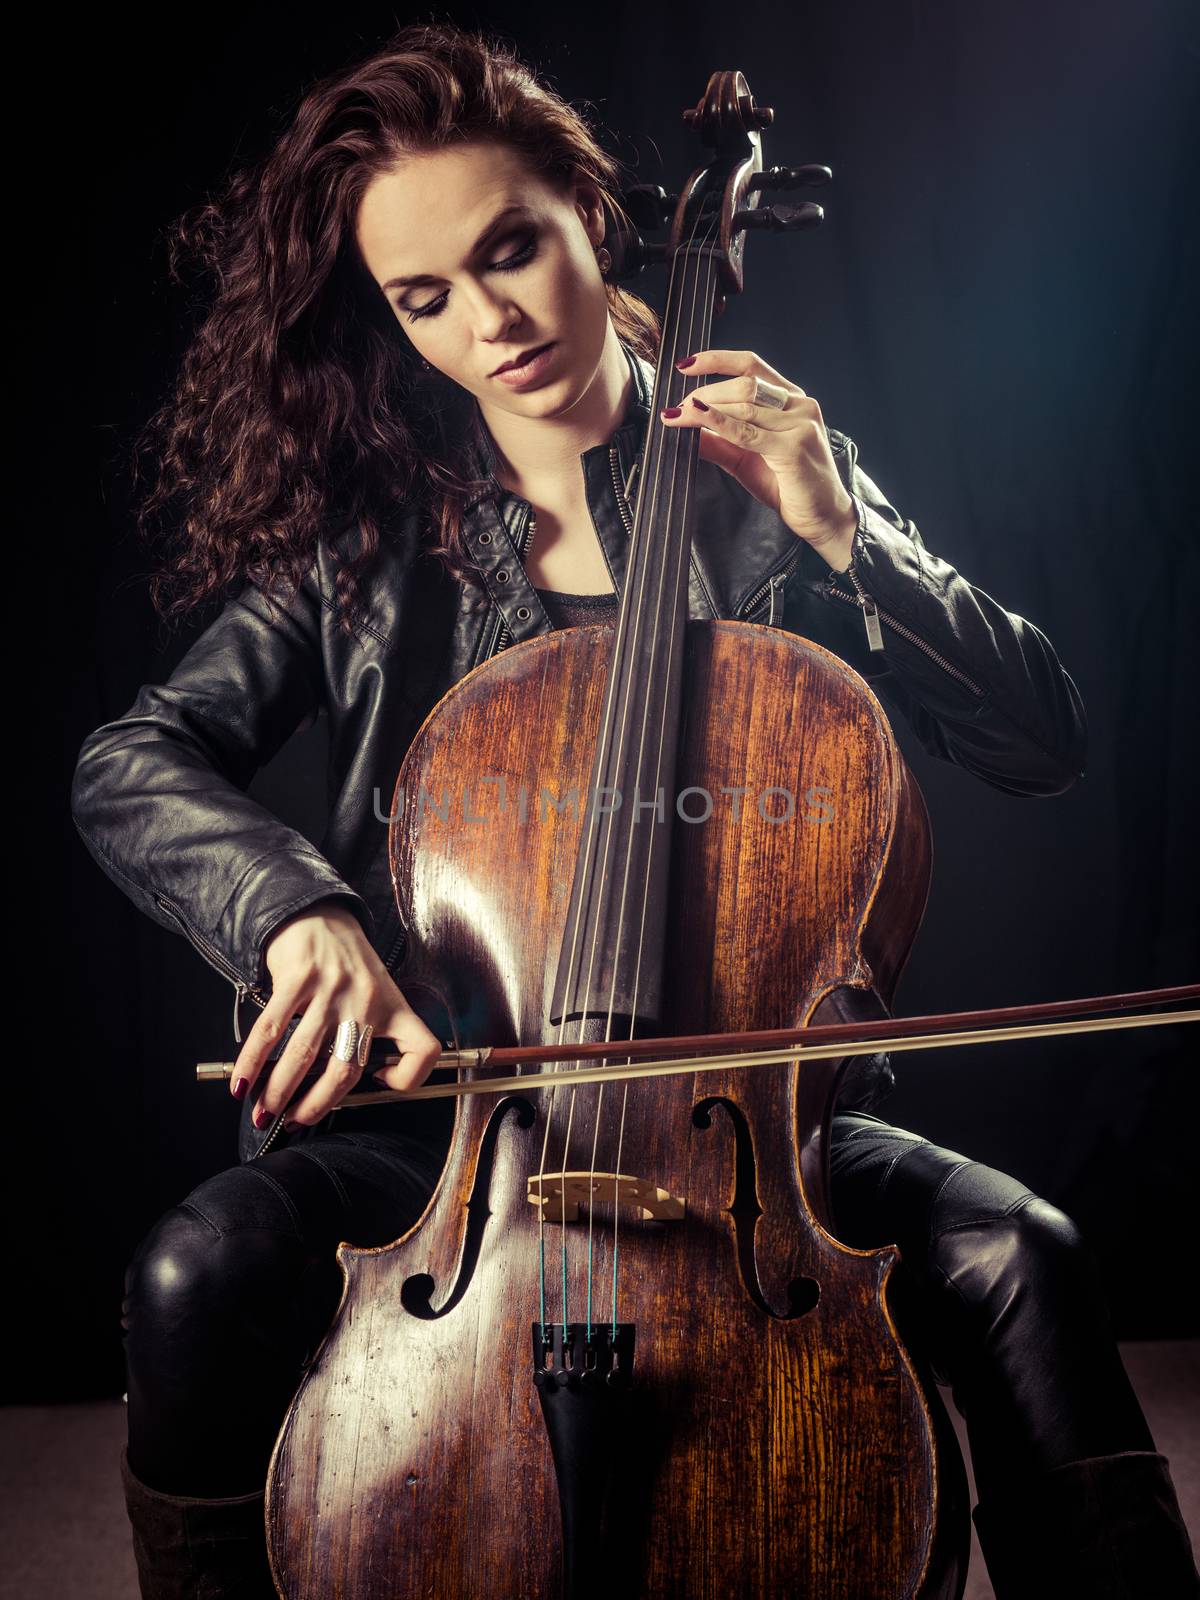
[{"x": 769, "y": 1453}]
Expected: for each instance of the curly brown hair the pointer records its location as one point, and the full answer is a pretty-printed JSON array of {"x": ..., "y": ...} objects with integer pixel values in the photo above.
[{"x": 300, "y": 410}]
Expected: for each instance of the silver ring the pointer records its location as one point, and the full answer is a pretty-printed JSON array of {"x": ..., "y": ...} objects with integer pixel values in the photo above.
[
  {"x": 345, "y": 1042},
  {"x": 769, "y": 394},
  {"x": 364, "y": 1044}
]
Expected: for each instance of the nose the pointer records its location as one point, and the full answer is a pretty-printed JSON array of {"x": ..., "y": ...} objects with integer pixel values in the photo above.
[{"x": 493, "y": 315}]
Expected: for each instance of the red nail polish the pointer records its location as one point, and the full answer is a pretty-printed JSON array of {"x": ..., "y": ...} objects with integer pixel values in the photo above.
[
  {"x": 240, "y": 1087},
  {"x": 686, "y": 362},
  {"x": 699, "y": 404},
  {"x": 672, "y": 411},
  {"x": 261, "y": 1116}
]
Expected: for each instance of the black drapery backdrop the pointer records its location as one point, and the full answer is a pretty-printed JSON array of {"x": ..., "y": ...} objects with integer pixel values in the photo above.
[{"x": 996, "y": 309}]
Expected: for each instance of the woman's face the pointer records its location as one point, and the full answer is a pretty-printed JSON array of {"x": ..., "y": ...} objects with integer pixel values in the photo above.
[{"x": 485, "y": 296}]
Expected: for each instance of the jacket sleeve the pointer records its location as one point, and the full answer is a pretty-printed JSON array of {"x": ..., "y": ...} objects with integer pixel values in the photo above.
[
  {"x": 159, "y": 795},
  {"x": 980, "y": 686}
]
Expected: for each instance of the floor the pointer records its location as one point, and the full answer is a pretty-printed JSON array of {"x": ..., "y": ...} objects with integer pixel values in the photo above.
[{"x": 65, "y": 1535}]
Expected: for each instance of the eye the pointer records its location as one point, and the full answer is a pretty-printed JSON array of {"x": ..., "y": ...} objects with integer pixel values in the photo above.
[{"x": 511, "y": 263}]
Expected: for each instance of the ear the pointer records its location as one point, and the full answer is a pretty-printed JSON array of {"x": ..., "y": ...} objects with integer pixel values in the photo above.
[{"x": 590, "y": 209}]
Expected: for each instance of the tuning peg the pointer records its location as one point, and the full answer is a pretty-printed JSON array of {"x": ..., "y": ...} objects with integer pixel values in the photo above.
[
  {"x": 758, "y": 117},
  {"x": 780, "y": 219},
  {"x": 812, "y": 176},
  {"x": 649, "y": 205},
  {"x": 633, "y": 255}
]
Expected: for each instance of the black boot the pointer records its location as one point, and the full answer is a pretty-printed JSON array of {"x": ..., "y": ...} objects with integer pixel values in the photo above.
[
  {"x": 197, "y": 1549},
  {"x": 1109, "y": 1528}
]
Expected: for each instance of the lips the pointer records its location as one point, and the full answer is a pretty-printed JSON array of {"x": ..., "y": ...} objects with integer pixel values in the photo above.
[{"x": 526, "y": 355}]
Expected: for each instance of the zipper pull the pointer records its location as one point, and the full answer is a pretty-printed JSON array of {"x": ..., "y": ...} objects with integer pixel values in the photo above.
[
  {"x": 629, "y": 481},
  {"x": 871, "y": 618},
  {"x": 870, "y": 610},
  {"x": 239, "y": 992}
]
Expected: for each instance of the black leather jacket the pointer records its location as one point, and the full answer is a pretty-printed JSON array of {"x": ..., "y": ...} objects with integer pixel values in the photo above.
[{"x": 159, "y": 794}]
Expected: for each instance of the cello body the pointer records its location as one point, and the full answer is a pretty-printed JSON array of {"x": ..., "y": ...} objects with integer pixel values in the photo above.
[{"x": 757, "y": 1428}]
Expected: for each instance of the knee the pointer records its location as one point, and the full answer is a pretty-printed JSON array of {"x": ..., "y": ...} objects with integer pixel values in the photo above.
[
  {"x": 1045, "y": 1242},
  {"x": 1032, "y": 1259},
  {"x": 165, "y": 1273},
  {"x": 188, "y": 1283}
]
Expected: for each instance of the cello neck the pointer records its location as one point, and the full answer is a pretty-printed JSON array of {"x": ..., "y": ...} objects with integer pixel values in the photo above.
[{"x": 610, "y": 964}]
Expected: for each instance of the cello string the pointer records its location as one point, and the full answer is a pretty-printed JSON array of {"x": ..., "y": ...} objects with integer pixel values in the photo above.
[
  {"x": 676, "y": 594},
  {"x": 675, "y": 635},
  {"x": 600, "y": 857},
  {"x": 610, "y": 822},
  {"x": 624, "y": 628},
  {"x": 622, "y": 1120},
  {"x": 624, "y": 732}
]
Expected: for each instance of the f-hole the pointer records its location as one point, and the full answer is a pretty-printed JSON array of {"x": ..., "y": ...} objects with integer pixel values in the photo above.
[
  {"x": 416, "y": 1293},
  {"x": 803, "y": 1294}
]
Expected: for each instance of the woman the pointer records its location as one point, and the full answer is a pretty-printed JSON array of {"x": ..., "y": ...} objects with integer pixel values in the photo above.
[{"x": 413, "y": 345}]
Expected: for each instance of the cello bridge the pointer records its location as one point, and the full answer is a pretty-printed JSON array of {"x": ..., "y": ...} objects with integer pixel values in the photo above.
[{"x": 561, "y": 1194}]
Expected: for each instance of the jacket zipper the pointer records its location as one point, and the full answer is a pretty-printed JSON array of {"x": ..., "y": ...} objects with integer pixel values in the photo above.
[
  {"x": 241, "y": 990},
  {"x": 623, "y": 490},
  {"x": 213, "y": 956},
  {"x": 873, "y": 616},
  {"x": 499, "y": 640},
  {"x": 396, "y": 947},
  {"x": 774, "y": 582}
]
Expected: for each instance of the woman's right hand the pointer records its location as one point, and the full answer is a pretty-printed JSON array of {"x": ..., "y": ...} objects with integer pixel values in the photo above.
[{"x": 323, "y": 967}]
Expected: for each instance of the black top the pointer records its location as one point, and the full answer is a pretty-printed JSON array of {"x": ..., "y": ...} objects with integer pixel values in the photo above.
[{"x": 569, "y": 610}]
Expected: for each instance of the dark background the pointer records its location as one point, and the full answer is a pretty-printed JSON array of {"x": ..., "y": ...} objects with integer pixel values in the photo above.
[{"x": 997, "y": 309}]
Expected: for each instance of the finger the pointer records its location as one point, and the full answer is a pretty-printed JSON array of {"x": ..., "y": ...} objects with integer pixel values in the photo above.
[
  {"x": 743, "y": 390},
  {"x": 750, "y": 470},
  {"x": 744, "y": 433},
  {"x": 339, "y": 1077},
  {"x": 419, "y": 1050},
  {"x": 770, "y": 419},
  {"x": 743, "y": 367},
  {"x": 735, "y": 362},
  {"x": 269, "y": 1027},
  {"x": 738, "y": 397},
  {"x": 324, "y": 1096},
  {"x": 302, "y": 1049}
]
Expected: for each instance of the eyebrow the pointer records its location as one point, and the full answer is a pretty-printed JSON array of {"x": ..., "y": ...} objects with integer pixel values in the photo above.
[{"x": 425, "y": 277}]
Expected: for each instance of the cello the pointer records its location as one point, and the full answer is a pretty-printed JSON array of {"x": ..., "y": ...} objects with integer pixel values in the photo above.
[{"x": 622, "y": 1352}]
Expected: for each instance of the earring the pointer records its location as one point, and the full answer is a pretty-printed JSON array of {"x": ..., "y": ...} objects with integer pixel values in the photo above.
[{"x": 603, "y": 260}]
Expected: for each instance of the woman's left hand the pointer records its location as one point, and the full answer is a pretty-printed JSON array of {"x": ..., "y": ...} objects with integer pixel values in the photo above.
[{"x": 782, "y": 457}]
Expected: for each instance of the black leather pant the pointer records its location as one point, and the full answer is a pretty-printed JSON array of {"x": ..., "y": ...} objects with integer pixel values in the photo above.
[{"x": 233, "y": 1288}]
